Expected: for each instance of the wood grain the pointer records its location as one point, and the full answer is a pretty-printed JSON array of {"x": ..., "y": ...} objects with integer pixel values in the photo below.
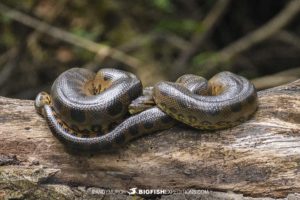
[{"x": 260, "y": 158}]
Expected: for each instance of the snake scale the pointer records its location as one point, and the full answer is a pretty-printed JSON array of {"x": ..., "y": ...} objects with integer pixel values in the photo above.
[{"x": 89, "y": 111}]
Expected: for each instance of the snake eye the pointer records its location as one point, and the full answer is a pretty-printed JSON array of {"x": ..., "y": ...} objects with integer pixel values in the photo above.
[{"x": 106, "y": 77}]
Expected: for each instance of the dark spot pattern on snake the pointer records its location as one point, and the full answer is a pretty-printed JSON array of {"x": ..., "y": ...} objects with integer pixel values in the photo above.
[
  {"x": 251, "y": 98},
  {"x": 120, "y": 139},
  {"x": 148, "y": 125},
  {"x": 236, "y": 107},
  {"x": 57, "y": 104},
  {"x": 77, "y": 115},
  {"x": 134, "y": 94},
  {"x": 115, "y": 109},
  {"x": 166, "y": 119},
  {"x": 134, "y": 130}
]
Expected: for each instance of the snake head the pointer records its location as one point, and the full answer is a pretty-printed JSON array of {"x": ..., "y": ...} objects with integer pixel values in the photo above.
[{"x": 41, "y": 100}]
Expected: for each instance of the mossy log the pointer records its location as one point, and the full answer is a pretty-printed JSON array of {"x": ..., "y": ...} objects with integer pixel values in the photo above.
[{"x": 259, "y": 158}]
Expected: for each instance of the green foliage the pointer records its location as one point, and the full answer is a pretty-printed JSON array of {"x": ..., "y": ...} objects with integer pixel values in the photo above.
[
  {"x": 157, "y": 33},
  {"x": 5, "y": 20},
  {"x": 204, "y": 57},
  {"x": 7, "y": 37},
  {"x": 164, "y": 5},
  {"x": 88, "y": 34},
  {"x": 180, "y": 26},
  {"x": 27, "y": 4}
]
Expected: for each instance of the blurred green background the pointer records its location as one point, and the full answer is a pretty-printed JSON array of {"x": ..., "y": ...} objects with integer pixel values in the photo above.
[{"x": 157, "y": 40}]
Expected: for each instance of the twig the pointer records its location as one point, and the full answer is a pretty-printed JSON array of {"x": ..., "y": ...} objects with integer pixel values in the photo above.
[
  {"x": 289, "y": 38},
  {"x": 34, "y": 37},
  {"x": 5, "y": 56},
  {"x": 15, "y": 56},
  {"x": 10, "y": 66},
  {"x": 270, "y": 28},
  {"x": 170, "y": 38},
  {"x": 277, "y": 79},
  {"x": 224, "y": 56},
  {"x": 209, "y": 23},
  {"x": 100, "y": 49},
  {"x": 176, "y": 41},
  {"x": 136, "y": 43}
]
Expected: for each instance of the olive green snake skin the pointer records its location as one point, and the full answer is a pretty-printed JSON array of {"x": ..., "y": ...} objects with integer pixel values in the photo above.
[{"x": 89, "y": 111}]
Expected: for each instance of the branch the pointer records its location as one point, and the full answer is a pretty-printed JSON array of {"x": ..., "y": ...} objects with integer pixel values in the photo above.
[
  {"x": 224, "y": 56},
  {"x": 9, "y": 67},
  {"x": 34, "y": 37},
  {"x": 269, "y": 29},
  {"x": 209, "y": 23},
  {"x": 289, "y": 38},
  {"x": 257, "y": 158},
  {"x": 276, "y": 79},
  {"x": 139, "y": 42},
  {"x": 100, "y": 49}
]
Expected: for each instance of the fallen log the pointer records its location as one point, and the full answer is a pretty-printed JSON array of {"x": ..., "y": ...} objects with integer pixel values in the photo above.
[{"x": 259, "y": 158}]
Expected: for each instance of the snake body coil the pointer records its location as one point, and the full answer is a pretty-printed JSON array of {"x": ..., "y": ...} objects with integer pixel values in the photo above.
[{"x": 84, "y": 108}]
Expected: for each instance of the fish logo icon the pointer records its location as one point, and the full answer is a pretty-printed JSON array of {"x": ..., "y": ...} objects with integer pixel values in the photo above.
[{"x": 132, "y": 191}]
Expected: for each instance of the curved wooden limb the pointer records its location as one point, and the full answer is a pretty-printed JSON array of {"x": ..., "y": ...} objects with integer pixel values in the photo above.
[{"x": 260, "y": 158}]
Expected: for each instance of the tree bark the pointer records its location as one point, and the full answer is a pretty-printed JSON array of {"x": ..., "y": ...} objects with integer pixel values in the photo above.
[{"x": 259, "y": 158}]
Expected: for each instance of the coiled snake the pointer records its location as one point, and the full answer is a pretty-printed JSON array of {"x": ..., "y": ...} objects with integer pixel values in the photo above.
[{"x": 90, "y": 111}]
